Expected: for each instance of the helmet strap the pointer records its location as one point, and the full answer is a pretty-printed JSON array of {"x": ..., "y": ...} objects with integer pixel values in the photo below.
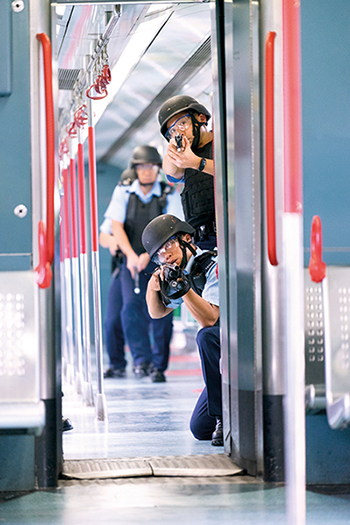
[
  {"x": 196, "y": 126},
  {"x": 183, "y": 245}
]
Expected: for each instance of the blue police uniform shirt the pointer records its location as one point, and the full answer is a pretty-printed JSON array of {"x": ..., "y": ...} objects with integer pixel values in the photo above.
[
  {"x": 119, "y": 202},
  {"x": 211, "y": 288},
  {"x": 106, "y": 226}
]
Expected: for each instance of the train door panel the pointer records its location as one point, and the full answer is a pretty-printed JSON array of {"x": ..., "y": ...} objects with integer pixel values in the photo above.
[
  {"x": 272, "y": 270},
  {"x": 239, "y": 233}
]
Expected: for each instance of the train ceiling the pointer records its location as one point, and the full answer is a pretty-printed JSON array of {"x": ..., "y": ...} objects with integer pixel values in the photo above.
[{"x": 154, "y": 50}]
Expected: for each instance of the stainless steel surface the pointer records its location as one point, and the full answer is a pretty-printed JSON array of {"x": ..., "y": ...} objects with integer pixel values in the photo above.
[
  {"x": 171, "y": 466},
  {"x": 69, "y": 317},
  {"x": 243, "y": 238},
  {"x": 337, "y": 346},
  {"x": 101, "y": 406},
  {"x": 221, "y": 221},
  {"x": 294, "y": 401},
  {"x": 272, "y": 297},
  {"x": 77, "y": 325},
  {"x": 20, "y": 393},
  {"x": 88, "y": 397}
]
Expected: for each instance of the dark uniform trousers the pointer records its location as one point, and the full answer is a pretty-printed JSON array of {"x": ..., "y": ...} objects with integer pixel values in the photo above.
[
  {"x": 113, "y": 326},
  {"x": 208, "y": 406},
  {"x": 137, "y": 322}
]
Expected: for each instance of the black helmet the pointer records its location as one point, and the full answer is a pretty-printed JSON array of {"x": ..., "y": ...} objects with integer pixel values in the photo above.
[
  {"x": 127, "y": 177},
  {"x": 159, "y": 231},
  {"x": 145, "y": 155},
  {"x": 177, "y": 104}
]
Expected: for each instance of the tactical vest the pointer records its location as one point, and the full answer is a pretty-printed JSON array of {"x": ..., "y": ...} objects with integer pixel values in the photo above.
[
  {"x": 139, "y": 214},
  {"x": 198, "y": 200},
  {"x": 201, "y": 265},
  {"x": 199, "y": 269}
]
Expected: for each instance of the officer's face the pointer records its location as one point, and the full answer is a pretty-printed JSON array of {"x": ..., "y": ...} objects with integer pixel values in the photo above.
[
  {"x": 171, "y": 252},
  {"x": 176, "y": 124},
  {"x": 147, "y": 173}
]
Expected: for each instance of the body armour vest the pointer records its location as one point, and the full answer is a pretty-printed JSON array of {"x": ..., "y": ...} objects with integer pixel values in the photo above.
[
  {"x": 198, "y": 194},
  {"x": 139, "y": 214}
]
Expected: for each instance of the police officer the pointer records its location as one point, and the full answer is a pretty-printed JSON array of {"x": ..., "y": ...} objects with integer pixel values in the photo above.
[
  {"x": 183, "y": 120},
  {"x": 189, "y": 274},
  {"x": 130, "y": 209},
  {"x": 113, "y": 325}
]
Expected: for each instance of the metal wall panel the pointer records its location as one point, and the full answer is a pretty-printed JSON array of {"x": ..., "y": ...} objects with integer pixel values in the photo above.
[
  {"x": 239, "y": 233},
  {"x": 15, "y": 154}
]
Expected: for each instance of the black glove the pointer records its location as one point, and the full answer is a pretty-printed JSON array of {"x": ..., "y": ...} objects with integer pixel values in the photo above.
[{"x": 174, "y": 285}]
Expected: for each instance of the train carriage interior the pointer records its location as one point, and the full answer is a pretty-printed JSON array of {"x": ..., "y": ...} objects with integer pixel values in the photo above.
[{"x": 274, "y": 75}]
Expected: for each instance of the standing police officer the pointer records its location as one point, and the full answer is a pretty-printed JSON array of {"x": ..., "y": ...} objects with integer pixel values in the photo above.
[
  {"x": 130, "y": 209},
  {"x": 189, "y": 159},
  {"x": 113, "y": 325},
  {"x": 189, "y": 274}
]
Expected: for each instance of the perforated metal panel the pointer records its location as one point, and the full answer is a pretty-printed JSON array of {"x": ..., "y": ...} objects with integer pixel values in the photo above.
[
  {"x": 18, "y": 341},
  {"x": 20, "y": 405},
  {"x": 314, "y": 332},
  {"x": 339, "y": 317}
]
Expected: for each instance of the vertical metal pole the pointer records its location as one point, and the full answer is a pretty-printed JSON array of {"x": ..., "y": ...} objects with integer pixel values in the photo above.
[
  {"x": 67, "y": 273},
  {"x": 64, "y": 338},
  {"x": 88, "y": 394},
  {"x": 101, "y": 406},
  {"x": 75, "y": 270},
  {"x": 293, "y": 268}
]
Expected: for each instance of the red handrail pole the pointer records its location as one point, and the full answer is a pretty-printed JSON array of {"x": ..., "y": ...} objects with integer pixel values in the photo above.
[
  {"x": 292, "y": 107},
  {"x": 270, "y": 146},
  {"x": 50, "y": 146},
  {"x": 73, "y": 205},
  {"x": 82, "y": 200},
  {"x": 66, "y": 213},
  {"x": 93, "y": 189}
]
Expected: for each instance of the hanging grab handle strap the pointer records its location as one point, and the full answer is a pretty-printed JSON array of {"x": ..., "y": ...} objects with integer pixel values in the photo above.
[{"x": 317, "y": 268}]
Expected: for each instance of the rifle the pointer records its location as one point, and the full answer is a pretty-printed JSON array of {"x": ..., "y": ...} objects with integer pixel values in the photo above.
[{"x": 178, "y": 140}]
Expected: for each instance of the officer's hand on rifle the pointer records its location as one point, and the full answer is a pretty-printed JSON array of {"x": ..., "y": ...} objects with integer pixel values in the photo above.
[{"x": 153, "y": 283}]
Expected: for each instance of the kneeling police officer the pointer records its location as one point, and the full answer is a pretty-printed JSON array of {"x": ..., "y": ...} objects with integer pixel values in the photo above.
[{"x": 188, "y": 274}]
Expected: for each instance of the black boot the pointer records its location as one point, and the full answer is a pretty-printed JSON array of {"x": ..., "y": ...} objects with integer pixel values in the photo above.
[{"x": 218, "y": 435}]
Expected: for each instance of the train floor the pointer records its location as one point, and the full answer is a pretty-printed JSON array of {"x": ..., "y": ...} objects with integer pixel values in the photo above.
[{"x": 109, "y": 474}]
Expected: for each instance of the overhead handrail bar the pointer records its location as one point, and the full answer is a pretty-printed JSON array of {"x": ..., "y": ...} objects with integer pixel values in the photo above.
[
  {"x": 44, "y": 275},
  {"x": 270, "y": 146},
  {"x": 82, "y": 80}
]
